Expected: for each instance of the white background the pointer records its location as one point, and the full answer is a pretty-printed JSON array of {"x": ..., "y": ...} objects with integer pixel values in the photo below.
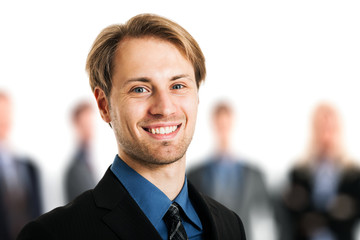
[{"x": 274, "y": 60}]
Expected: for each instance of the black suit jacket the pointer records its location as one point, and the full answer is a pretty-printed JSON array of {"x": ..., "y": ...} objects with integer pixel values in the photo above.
[
  {"x": 298, "y": 216},
  {"x": 108, "y": 212}
]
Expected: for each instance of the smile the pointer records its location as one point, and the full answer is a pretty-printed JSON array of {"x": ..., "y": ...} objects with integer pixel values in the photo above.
[{"x": 163, "y": 130}]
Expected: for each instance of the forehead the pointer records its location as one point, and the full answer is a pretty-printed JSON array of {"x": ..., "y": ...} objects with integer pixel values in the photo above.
[
  {"x": 145, "y": 46},
  {"x": 149, "y": 57},
  {"x": 325, "y": 112},
  {"x": 4, "y": 100}
]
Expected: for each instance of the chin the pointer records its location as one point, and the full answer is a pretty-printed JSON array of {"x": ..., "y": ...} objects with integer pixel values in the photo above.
[{"x": 164, "y": 158}]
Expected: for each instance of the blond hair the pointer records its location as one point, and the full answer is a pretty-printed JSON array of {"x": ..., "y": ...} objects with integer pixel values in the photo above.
[
  {"x": 326, "y": 110},
  {"x": 99, "y": 64}
]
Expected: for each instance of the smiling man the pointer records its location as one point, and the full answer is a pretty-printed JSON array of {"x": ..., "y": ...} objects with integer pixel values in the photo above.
[{"x": 145, "y": 76}]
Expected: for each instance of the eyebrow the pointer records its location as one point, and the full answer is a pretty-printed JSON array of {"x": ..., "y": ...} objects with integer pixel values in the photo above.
[
  {"x": 180, "y": 76},
  {"x": 147, "y": 80},
  {"x": 140, "y": 79}
]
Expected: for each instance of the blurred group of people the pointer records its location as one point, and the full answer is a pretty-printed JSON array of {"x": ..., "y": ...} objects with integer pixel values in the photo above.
[
  {"x": 20, "y": 184},
  {"x": 321, "y": 200}
]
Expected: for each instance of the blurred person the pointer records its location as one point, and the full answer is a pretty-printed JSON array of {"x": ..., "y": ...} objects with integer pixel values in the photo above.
[
  {"x": 322, "y": 200},
  {"x": 233, "y": 181},
  {"x": 145, "y": 76},
  {"x": 80, "y": 175},
  {"x": 20, "y": 199}
]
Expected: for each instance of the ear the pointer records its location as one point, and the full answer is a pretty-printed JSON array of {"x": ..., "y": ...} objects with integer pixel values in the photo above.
[{"x": 103, "y": 104}]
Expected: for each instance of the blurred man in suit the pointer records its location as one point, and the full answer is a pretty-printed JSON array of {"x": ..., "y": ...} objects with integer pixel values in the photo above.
[
  {"x": 80, "y": 175},
  {"x": 233, "y": 181},
  {"x": 20, "y": 199},
  {"x": 145, "y": 75}
]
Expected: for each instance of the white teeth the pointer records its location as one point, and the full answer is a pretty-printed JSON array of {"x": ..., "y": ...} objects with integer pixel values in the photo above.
[{"x": 163, "y": 130}]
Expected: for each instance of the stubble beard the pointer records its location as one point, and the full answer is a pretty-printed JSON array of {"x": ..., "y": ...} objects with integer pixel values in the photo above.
[{"x": 150, "y": 154}]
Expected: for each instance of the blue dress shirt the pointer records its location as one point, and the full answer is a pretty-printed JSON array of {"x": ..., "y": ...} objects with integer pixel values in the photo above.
[{"x": 154, "y": 203}]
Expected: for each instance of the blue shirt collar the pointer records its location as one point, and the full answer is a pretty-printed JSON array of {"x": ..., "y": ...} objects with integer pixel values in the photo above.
[{"x": 152, "y": 201}]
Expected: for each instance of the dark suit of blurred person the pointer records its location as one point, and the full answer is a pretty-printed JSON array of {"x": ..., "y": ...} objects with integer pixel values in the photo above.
[
  {"x": 80, "y": 173},
  {"x": 20, "y": 199},
  {"x": 233, "y": 181},
  {"x": 322, "y": 199}
]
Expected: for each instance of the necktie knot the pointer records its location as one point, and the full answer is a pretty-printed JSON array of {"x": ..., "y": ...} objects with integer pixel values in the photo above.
[{"x": 176, "y": 230}]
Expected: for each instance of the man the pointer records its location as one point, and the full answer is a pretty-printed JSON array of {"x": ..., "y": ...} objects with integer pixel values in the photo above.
[
  {"x": 145, "y": 76},
  {"x": 233, "y": 181},
  {"x": 20, "y": 199},
  {"x": 80, "y": 173}
]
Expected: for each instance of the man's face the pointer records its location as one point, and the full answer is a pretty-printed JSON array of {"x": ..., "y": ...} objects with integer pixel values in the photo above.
[
  {"x": 223, "y": 125},
  {"x": 84, "y": 125},
  {"x": 153, "y": 101}
]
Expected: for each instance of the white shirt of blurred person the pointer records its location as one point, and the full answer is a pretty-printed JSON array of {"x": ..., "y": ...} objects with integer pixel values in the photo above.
[
  {"x": 322, "y": 201},
  {"x": 233, "y": 181},
  {"x": 80, "y": 175},
  {"x": 20, "y": 199}
]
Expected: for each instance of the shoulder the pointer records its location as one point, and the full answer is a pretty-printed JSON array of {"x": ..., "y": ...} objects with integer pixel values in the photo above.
[
  {"x": 74, "y": 168},
  {"x": 216, "y": 218},
  {"x": 228, "y": 224},
  {"x": 25, "y": 161},
  {"x": 351, "y": 175},
  {"x": 35, "y": 230},
  {"x": 197, "y": 173},
  {"x": 83, "y": 218},
  {"x": 27, "y": 166},
  {"x": 250, "y": 168},
  {"x": 64, "y": 222},
  {"x": 300, "y": 173},
  {"x": 199, "y": 168},
  {"x": 220, "y": 211}
]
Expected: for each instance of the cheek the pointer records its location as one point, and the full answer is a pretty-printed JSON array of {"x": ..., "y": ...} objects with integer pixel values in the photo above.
[
  {"x": 191, "y": 107},
  {"x": 130, "y": 114}
]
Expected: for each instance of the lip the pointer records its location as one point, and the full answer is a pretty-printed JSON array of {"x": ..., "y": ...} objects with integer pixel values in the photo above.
[{"x": 165, "y": 136}]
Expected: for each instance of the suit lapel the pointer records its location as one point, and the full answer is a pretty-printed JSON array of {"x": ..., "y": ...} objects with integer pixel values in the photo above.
[
  {"x": 210, "y": 230},
  {"x": 128, "y": 222},
  {"x": 124, "y": 218}
]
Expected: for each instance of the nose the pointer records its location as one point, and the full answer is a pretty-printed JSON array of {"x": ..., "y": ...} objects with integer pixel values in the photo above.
[{"x": 162, "y": 104}]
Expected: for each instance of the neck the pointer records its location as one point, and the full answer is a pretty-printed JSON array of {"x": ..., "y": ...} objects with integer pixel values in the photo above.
[
  {"x": 223, "y": 147},
  {"x": 169, "y": 178},
  {"x": 327, "y": 151}
]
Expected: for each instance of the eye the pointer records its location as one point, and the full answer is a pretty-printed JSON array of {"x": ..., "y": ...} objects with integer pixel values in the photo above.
[
  {"x": 140, "y": 90},
  {"x": 178, "y": 86}
]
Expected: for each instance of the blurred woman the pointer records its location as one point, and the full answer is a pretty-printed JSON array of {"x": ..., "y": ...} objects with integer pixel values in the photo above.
[{"x": 322, "y": 201}]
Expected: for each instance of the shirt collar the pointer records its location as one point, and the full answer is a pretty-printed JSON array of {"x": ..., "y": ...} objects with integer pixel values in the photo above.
[
  {"x": 184, "y": 201},
  {"x": 152, "y": 201}
]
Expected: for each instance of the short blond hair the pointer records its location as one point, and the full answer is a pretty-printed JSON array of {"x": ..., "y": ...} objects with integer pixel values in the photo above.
[{"x": 100, "y": 63}]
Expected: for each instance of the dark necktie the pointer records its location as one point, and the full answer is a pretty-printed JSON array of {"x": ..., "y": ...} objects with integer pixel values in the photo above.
[{"x": 176, "y": 230}]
